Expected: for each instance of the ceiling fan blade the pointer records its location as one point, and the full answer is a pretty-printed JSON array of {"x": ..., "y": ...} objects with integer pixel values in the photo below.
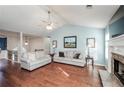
[
  {"x": 43, "y": 21},
  {"x": 48, "y": 21}
]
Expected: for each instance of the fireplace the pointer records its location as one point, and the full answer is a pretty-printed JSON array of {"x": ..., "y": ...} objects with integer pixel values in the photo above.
[
  {"x": 118, "y": 66},
  {"x": 119, "y": 70}
]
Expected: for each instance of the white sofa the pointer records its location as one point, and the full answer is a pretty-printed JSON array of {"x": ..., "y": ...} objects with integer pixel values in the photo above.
[
  {"x": 68, "y": 59},
  {"x": 34, "y": 60}
]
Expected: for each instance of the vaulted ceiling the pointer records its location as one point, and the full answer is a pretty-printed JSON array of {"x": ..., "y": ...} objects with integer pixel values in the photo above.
[
  {"x": 97, "y": 16},
  {"x": 30, "y": 19}
]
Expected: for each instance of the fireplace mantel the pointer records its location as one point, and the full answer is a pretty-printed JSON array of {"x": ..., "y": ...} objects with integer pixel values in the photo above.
[
  {"x": 118, "y": 57},
  {"x": 117, "y": 41}
]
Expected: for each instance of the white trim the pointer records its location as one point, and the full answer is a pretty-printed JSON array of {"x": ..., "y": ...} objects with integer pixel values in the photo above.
[
  {"x": 98, "y": 64},
  {"x": 116, "y": 38},
  {"x": 106, "y": 67}
]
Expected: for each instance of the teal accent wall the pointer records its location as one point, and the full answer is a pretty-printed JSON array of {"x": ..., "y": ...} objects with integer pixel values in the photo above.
[
  {"x": 82, "y": 34},
  {"x": 117, "y": 27}
]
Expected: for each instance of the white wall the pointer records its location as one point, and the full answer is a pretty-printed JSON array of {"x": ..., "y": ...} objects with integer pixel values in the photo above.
[
  {"x": 34, "y": 42},
  {"x": 39, "y": 43},
  {"x": 82, "y": 34},
  {"x": 12, "y": 39}
]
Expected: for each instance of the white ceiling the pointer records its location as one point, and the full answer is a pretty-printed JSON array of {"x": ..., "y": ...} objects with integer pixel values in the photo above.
[
  {"x": 28, "y": 19},
  {"x": 98, "y": 16}
]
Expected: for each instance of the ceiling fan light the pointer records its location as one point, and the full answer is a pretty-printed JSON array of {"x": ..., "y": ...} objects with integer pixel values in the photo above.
[
  {"x": 49, "y": 27},
  {"x": 26, "y": 43}
]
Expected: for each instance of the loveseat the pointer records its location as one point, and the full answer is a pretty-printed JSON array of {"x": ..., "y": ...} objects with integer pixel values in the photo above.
[
  {"x": 34, "y": 60},
  {"x": 69, "y": 58}
]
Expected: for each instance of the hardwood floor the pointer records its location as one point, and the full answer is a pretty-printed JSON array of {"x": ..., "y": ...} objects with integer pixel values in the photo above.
[{"x": 51, "y": 75}]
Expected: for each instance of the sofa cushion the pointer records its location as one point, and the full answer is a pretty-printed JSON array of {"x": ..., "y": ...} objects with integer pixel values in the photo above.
[
  {"x": 32, "y": 59},
  {"x": 66, "y": 59},
  {"x": 61, "y": 54},
  {"x": 24, "y": 60},
  {"x": 76, "y": 56},
  {"x": 39, "y": 54},
  {"x": 58, "y": 58},
  {"x": 38, "y": 61},
  {"x": 62, "y": 58},
  {"x": 31, "y": 56},
  {"x": 44, "y": 57},
  {"x": 69, "y": 54},
  {"x": 66, "y": 54},
  {"x": 77, "y": 60}
]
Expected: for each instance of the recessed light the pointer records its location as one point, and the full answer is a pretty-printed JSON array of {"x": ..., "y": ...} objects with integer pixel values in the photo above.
[{"x": 89, "y": 6}]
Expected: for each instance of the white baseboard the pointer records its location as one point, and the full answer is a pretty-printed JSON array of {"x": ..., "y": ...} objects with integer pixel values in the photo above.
[
  {"x": 106, "y": 67},
  {"x": 98, "y": 64}
]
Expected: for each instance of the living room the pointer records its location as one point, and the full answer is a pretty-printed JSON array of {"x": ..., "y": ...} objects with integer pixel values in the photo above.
[{"x": 66, "y": 46}]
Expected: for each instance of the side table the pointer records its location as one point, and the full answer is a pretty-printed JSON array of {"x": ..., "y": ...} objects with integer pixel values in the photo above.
[
  {"x": 52, "y": 55},
  {"x": 89, "y": 58}
]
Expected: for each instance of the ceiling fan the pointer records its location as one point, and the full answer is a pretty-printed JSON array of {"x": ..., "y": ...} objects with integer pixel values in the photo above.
[{"x": 49, "y": 24}]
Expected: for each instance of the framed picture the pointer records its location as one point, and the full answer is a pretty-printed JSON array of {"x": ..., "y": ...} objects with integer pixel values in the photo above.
[
  {"x": 91, "y": 42},
  {"x": 54, "y": 43},
  {"x": 70, "y": 42}
]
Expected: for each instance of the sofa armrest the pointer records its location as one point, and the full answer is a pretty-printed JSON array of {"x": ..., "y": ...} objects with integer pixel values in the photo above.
[
  {"x": 82, "y": 58},
  {"x": 24, "y": 60},
  {"x": 48, "y": 56}
]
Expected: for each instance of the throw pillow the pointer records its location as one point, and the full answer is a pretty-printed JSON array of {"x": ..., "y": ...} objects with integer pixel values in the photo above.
[
  {"x": 71, "y": 53},
  {"x": 39, "y": 54},
  {"x": 76, "y": 56},
  {"x": 61, "y": 54}
]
